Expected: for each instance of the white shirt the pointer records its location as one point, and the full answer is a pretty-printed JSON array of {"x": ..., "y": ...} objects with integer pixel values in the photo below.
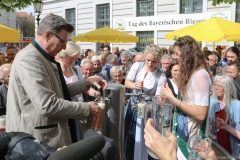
[
  {"x": 74, "y": 79},
  {"x": 149, "y": 80}
]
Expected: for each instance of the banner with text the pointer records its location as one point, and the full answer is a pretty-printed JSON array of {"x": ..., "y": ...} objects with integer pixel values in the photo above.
[{"x": 165, "y": 22}]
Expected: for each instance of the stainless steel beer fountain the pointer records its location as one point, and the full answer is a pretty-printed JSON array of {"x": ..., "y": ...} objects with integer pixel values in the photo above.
[{"x": 113, "y": 121}]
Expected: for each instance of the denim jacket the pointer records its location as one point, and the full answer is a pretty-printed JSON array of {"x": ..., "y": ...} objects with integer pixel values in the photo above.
[{"x": 234, "y": 120}]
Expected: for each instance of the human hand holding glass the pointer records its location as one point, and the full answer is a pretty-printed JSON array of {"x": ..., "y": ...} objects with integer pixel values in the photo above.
[
  {"x": 162, "y": 116},
  {"x": 220, "y": 123},
  {"x": 139, "y": 85},
  {"x": 164, "y": 147},
  {"x": 198, "y": 144}
]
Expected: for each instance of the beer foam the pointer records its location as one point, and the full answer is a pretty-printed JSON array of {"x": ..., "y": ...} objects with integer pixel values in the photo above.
[{"x": 102, "y": 105}]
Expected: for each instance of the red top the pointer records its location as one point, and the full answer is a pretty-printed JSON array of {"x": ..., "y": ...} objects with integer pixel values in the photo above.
[{"x": 223, "y": 135}]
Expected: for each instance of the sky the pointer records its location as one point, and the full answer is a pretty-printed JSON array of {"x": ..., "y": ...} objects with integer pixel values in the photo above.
[{"x": 28, "y": 10}]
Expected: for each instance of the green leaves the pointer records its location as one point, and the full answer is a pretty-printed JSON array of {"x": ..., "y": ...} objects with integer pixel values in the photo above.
[
  {"x": 216, "y": 2},
  {"x": 26, "y": 26},
  {"x": 11, "y": 5}
]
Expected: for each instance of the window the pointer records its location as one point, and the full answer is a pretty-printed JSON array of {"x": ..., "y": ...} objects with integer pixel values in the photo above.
[
  {"x": 237, "y": 44},
  {"x": 191, "y": 6},
  {"x": 103, "y": 18},
  {"x": 70, "y": 17},
  {"x": 145, "y": 38},
  {"x": 145, "y": 8},
  {"x": 103, "y": 15},
  {"x": 238, "y": 12}
]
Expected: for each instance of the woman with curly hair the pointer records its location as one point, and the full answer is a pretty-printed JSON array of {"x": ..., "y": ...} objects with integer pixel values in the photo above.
[{"x": 194, "y": 85}]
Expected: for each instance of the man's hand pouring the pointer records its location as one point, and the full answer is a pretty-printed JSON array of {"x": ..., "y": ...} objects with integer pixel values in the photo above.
[{"x": 97, "y": 81}]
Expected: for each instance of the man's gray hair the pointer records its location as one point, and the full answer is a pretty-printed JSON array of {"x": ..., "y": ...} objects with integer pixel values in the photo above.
[
  {"x": 167, "y": 56},
  {"x": 127, "y": 54},
  {"x": 216, "y": 57},
  {"x": 96, "y": 58},
  {"x": 1, "y": 69},
  {"x": 104, "y": 55},
  {"x": 140, "y": 53},
  {"x": 111, "y": 58},
  {"x": 84, "y": 61},
  {"x": 116, "y": 69},
  {"x": 54, "y": 24}
]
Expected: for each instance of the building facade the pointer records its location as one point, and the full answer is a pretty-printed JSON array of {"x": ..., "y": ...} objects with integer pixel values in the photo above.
[
  {"x": 8, "y": 19},
  {"x": 87, "y": 15}
]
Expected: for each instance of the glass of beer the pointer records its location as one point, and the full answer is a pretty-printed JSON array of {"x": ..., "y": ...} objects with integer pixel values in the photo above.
[
  {"x": 162, "y": 116},
  {"x": 97, "y": 123}
]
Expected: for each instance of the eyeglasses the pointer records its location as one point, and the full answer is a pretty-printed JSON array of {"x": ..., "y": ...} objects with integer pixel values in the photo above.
[
  {"x": 61, "y": 40},
  {"x": 218, "y": 86}
]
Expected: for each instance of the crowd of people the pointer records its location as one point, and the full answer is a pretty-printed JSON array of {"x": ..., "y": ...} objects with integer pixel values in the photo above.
[{"x": 50, "y": 86}]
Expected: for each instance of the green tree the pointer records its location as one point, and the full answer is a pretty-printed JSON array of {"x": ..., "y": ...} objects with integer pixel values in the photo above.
[
  {"x": 26, "y": 26},
  {"x": 11, "y": 5},
  {"x": 216, "y": 2}
]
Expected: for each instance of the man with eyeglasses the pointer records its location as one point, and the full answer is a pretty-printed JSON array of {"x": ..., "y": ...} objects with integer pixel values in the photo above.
[{"x": 40, "y": 98}]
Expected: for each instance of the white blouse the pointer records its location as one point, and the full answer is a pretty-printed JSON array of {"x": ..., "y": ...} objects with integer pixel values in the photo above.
[
  {"x": 149, "y": 80},
  {"x": 201, "y": 84},
  {"x": 74, "y": 79}
]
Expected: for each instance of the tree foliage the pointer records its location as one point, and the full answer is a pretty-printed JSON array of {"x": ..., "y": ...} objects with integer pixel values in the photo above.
[
  {"x": 11, "y": 5},
  {"x": 26, "y": 26},
  {"x": 216, "y": 2}
]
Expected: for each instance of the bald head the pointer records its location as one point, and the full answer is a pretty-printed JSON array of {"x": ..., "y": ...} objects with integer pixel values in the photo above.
[
  {"x": 139, "y": 57},
  {"x": 87, "y": 68},
  {"x": 5, "y": 73}
]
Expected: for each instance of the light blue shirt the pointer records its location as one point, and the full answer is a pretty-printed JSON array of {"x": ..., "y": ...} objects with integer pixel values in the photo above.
[{"x": 234, "y": 121}]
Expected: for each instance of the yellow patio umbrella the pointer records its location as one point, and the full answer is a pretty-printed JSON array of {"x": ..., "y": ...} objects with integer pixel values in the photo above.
[
  {"x": 9, "y": 35},
  {"x": 211, "y": 30},
  {"x": 105, "y": 35}
]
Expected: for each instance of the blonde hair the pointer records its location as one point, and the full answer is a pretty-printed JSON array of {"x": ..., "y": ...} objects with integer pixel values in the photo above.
[
  {"x": 72, "y": 49},
  {"x": 155, "y": 50},
  {"x": 91, "y": 54}
]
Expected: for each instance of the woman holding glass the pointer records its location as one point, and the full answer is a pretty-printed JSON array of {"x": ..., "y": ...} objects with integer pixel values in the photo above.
[
  {"x": 225, "y": 107},
  {"x": 144, "y": 77},
  {"x": 71, "y": 73},
  {"x": 194, "y": 84}
]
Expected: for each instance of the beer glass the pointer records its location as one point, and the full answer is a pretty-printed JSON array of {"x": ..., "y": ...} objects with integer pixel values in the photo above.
[
  {"x": 212, "y": 126},
  {"x": 196, "y": 144},
  {"x": 162, "y": 116},
  {"x": 147, "y": 112},
  {"x": 97, "y": 123},
  {"x": 141, "y": 109}
]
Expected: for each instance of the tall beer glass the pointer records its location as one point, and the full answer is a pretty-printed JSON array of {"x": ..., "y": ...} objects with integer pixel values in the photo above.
[
  {"x": 97, "y": 124},
  {"x": 162, "y": 116}
]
